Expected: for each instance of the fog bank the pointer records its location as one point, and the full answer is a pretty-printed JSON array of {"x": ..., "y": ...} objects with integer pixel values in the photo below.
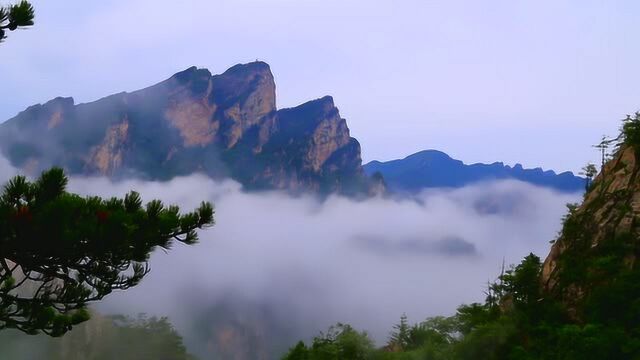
[{"x": 281, "y": 268}]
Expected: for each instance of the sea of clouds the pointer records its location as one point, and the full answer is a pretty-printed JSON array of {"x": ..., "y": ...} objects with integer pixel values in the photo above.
[{"x": 308, "y": 263}]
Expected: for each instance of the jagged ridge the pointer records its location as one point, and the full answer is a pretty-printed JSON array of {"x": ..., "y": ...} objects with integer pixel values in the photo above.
[{"x": 222, "y": 125}]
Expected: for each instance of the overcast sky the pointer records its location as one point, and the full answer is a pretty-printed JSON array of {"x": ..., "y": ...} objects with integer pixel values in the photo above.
[{"x": 535, "y": 82}]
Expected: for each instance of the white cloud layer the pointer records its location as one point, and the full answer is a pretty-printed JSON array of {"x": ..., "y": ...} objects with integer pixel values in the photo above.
[
  {"x": 315, "y": 263},
  {"x": 308, "y": 259}
]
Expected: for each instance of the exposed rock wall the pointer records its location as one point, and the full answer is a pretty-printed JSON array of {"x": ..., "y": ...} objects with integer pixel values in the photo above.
[{"x": 224, "y": 125}]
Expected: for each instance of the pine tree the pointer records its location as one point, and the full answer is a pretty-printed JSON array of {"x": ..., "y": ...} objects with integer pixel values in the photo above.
[
  {"x": 589, "y": 171},
  {"x": 400, "y": 336},
  {"x": 60, "y": 251},
  {"x": 15, "y": 16}
]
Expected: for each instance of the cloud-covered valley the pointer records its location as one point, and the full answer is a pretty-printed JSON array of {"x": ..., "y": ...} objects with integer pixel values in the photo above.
[{"x": 288, "y": 267}]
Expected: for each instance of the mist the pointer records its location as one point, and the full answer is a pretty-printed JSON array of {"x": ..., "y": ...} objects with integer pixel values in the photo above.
[{"x": 285, "y": 268}]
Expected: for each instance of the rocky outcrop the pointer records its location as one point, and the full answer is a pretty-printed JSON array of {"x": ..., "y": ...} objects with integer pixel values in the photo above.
[
  {"x": 601, "y": 234},
  {"x": 223, "y": 125},
  {"x": 106, "y": 158}
]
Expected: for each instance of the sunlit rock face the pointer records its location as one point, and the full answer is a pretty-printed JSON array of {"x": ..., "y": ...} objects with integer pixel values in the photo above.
[{"x": 222, "y": 125}]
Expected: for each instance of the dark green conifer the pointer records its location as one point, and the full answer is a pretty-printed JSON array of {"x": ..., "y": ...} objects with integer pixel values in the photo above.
[
  {"x": 15, "y": 16},
  {"x": 60, "y": 251}
]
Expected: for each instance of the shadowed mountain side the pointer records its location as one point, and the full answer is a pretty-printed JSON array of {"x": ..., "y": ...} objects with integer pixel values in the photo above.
[
  {"x": 224, "y": 126},
  {"x": 435, "y": 169}
]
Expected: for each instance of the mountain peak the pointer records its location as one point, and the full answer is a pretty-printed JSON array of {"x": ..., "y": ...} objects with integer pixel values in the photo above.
[
  {"x": 240, "y": 72},
  {"x": 252, "y": 67},
  {"x": 223, "y": 125},
  {"x": 326, "y": 100},
  {"x": 252, "y": 84},
  {"x": 61, "y": 100},
  {"x": 429, "y": 155},
  {"x": 321, "y": 105},
  {"x": 192, "y": 73}
]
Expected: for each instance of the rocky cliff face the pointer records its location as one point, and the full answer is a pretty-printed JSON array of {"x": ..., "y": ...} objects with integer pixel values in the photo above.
[
  {"x": 600, "y": 238},
  {"x": 224, "y": 125}
]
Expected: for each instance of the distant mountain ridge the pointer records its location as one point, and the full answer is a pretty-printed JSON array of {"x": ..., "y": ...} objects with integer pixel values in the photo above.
[
  {"x": 222, "y": 125},
  {"x": 435, "y": 169}
]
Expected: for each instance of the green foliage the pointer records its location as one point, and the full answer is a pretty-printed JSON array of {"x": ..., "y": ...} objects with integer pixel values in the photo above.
[
  {"x": 141, "y": 338},
  {"x": 470, "y": 317},
  {"x": 526, "y": 323},
  {"x": 522, "y": 284},
  {"x": 589, "y": 172},
  {"x": 399, "y": 338},
  {"x": 340, "y": 342},
  {"x": 631, "y": 130},
  {"x": 61, "y": 251},
  {"x": 15, "y": 16},
  {"x": 487, "y": 341},
  {"x": 298, "y": 352},
  {"x": 101, "y": 338}
]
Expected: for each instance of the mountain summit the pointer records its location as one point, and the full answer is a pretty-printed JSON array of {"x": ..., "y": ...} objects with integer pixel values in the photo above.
[{"x": 222, "y": 125}]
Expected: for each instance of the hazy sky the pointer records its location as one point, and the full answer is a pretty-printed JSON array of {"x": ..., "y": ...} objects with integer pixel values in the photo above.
[{"x": 535, "y": 82}]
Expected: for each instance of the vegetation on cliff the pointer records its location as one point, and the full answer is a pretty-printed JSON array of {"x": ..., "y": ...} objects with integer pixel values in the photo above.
[{"x": 101, "y": 338}]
